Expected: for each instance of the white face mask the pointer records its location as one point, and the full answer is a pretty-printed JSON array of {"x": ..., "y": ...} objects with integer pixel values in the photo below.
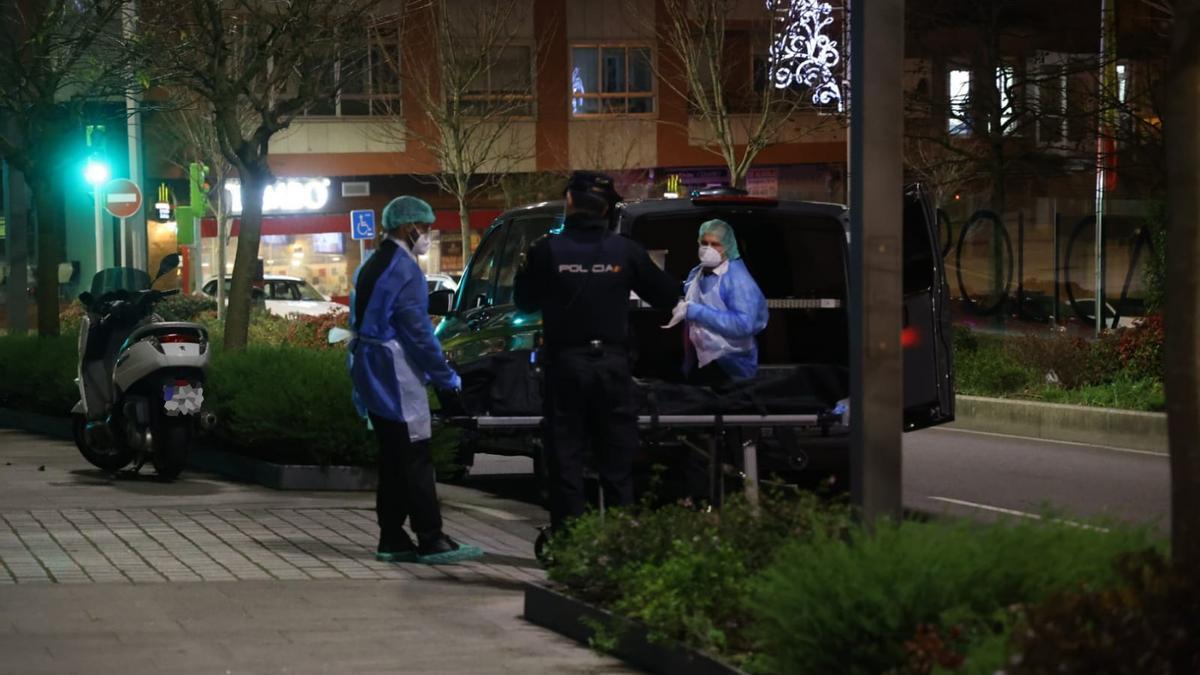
[
  {"x": 421, "y": 245},
  {"x": 709, "y": 257}
]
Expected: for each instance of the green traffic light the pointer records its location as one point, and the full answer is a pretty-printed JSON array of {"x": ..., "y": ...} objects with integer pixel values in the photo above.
[{"x": 96, "y": 172}]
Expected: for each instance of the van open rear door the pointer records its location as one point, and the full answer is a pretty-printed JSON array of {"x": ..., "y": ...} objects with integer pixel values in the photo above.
[{"x": 925, "y": 337}]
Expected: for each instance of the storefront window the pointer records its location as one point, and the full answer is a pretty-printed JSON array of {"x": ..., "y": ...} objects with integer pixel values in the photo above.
[{"x": 320, "y": 260}]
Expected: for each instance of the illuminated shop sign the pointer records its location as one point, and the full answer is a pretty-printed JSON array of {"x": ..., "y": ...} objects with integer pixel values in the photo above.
[{"x": 290, "y": 195}]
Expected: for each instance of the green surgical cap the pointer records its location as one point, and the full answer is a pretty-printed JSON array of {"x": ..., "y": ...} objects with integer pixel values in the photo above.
[
  {"x": 404, "y": 210},
  {"x": 723, "y": 231}
]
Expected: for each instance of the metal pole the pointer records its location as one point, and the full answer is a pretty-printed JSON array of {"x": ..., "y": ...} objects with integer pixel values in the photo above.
[
  {"x": 1054, "y": 251},
  {"x": 99, "y": 230},
  {"x": 124, "y": 244},
  {"x": 876, "y": 221},
  {"x": 1107, "y": 53}
]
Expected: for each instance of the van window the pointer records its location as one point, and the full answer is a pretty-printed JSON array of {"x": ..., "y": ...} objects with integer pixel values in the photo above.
[
  {"x": 918, "y": 248},
  {"x": 477, "y": 287},
  {"x": 799, "y": 262},
  {"x": 522, "y": 232}
]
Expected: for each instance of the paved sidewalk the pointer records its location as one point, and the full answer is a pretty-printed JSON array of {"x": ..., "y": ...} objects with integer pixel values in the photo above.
[{"x": 101, "y": 574}]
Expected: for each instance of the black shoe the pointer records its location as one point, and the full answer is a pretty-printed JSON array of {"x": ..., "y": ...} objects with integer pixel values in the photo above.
[
  {"x": 444, "y": 550},
  {"x": 396, "y": 549}
]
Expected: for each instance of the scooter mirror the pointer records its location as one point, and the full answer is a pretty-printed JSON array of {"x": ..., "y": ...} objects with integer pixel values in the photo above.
[
  {"x": 86, "y": 298},
  {"x": 168, "y": 264}
]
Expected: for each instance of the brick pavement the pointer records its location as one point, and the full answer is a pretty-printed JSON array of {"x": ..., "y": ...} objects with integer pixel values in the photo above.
[{"x": 105, "y": 575}]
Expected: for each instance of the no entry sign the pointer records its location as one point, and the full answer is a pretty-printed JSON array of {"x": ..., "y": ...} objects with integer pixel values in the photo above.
[{"x": 122, "y": 198}]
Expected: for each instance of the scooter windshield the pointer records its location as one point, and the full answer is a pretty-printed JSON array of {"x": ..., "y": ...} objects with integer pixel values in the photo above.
[{"x": 119, "y": 279}]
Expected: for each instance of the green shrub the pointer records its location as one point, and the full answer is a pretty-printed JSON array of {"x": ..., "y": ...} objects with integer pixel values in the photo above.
[
  {"x": 184, "y": 307},
  {"x": 1147, "y": 624},
  {"x": 992, "y": 372},
  {"x": 1141, "y": 348},
  {"x": 684, "y": 573},
  {"x": 288, "y": 404},
  {"x": 37, "y": 374},
  {"x": 832, "y": 604},
  {"x": 1125, "y": 392}
]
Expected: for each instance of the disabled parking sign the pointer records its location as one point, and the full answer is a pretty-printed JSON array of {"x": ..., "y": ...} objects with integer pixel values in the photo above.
[{"x": 362, "y": 224}]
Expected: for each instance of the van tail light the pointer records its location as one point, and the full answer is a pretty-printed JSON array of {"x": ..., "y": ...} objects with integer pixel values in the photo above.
[{"x": 909, "y": 338}]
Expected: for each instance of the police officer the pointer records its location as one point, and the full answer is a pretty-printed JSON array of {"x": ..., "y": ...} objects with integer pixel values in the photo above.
[
  {"x": 580, "y": 280},
  {"x": 392, "y": 355}
]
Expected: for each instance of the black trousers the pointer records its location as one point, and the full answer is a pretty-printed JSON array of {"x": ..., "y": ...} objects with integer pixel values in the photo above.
[
  {"x": 589, "y": 405},
  {"x": 407, "y": 487}
]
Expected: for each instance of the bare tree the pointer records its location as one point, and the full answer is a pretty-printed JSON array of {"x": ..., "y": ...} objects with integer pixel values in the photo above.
[
  {"x": 189, "y": 131},
  {"x": 59, "y": 60},
  {"x": 943, "y": 171},
  {"x": 744, "y": 112},
  {"x": 273, "y": 57},
  {"x": 1183, "y": 284},
  {"x": 472, "y": 77}
]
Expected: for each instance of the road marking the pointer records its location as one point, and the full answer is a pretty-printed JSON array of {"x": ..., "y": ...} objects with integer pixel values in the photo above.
[
  {"x": 1013, "y": 512},
  {"x": 495, "y": 513},
  {"x": 1113, "y": 448}
]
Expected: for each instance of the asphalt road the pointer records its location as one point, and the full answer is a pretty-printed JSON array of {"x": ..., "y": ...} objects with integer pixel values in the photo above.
[{"x": 985, "y": 476}]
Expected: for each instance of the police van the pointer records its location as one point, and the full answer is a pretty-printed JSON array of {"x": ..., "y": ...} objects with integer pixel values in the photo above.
[{"x": 798, "y": 253}]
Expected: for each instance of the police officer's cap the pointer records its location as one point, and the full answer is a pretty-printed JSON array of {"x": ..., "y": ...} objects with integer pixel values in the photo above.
[{"x": 593, "y": 184}]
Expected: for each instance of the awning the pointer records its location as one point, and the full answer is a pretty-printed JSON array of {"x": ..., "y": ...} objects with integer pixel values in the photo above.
[{"x": 319, "y": 223}]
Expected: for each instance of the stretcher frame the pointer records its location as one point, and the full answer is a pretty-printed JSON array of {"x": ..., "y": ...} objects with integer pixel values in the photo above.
[{"x": 716, "y": 422}]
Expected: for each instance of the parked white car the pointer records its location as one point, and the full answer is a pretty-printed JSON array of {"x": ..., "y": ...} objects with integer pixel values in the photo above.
[
  {"x": 285, "y": 296},
  {"x": 438, "y": 281}
]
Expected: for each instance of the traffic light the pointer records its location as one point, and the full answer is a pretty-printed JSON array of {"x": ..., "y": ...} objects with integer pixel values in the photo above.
[{"x": 96, "y": 170}]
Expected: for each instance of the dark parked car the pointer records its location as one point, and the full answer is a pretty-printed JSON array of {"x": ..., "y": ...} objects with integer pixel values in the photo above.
[{"x": 797, "y": 252}]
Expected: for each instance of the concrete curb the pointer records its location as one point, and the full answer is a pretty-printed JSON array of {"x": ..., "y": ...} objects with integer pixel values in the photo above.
[
  {"x": 578, "y": 620},
  {"x": 1058, "y": 422},
  {"x": 204, "y": 457}
]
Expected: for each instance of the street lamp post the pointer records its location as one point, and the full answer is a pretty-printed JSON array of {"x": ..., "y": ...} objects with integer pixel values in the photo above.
[{"x": 96, "y": 173}]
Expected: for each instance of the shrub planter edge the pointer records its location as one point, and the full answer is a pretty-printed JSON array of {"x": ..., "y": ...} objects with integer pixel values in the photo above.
[
  {"x": 204, "y": 457},
  {"x": 568, "y": 616},
  {"x": 1060, "y": 422}
]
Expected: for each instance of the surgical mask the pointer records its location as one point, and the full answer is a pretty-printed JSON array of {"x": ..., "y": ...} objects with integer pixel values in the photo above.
[
  {"x": 709, "y": 257},
  {"x": 421, "y": 245}
]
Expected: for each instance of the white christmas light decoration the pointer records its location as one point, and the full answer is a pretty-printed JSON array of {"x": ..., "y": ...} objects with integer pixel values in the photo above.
[{"x": 803, "y": 54}]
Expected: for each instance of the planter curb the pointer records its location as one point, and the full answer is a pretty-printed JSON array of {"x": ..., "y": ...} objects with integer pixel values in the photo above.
[
  {"x": 205, "y": 457},
  {"x": 1058, "y": 422},
  {"x": 568, "y": 616}
]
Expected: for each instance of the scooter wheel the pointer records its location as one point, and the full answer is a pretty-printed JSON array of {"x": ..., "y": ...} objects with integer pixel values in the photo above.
[
  {"x": 172, "y": 439},
  {"x": 113, "y": 459}
]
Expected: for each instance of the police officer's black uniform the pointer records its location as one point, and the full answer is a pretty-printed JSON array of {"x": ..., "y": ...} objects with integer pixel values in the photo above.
[{"x": 580, "y": 280}]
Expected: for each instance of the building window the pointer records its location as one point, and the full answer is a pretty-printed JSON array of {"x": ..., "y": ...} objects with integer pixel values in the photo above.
[
  {"x": 1004, "y": 87},
  {"x": 959, "y": 120},
  {"x": 505, "y": 85},
  {"x": 611, "y": 80},
  {"x": 370, "y": 85},
  {"x": 1052, "y": 104}
]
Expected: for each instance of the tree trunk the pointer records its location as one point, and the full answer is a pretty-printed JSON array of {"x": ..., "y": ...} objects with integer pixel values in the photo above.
[
  {"x": 464, "y": 221},
  {"x": 222, "y": 243},
  {"x": 237, "y": 319},
  {"x": 1182, "y": 315},
  {"x": 47, "y": 198}
]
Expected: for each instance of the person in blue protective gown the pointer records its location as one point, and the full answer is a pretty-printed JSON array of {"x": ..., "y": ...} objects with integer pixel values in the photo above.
[
  {"x": 393, "y": 356},
  {"x": 724, "y": 310}
]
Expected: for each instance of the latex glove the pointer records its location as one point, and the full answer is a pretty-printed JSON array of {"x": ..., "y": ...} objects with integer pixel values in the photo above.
[
  {"x": 456, "y": 383},
  {"x": 678, "y": 314}
]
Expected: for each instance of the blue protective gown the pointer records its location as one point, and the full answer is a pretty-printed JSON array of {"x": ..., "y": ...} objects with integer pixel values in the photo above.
[
  {"x": 744, "y": 316},
  {"x": 394, "y": 353}
]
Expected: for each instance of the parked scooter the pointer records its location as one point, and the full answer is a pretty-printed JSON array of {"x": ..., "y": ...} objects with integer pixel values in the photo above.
[{"x": 140, "y": 378}]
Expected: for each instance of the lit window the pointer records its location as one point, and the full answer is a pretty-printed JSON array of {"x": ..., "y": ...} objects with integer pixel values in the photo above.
[
  {"x": 611, "y": 80},
  {"x": 959, "y": 122},
  {"x": 1122, "y": 83}
]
